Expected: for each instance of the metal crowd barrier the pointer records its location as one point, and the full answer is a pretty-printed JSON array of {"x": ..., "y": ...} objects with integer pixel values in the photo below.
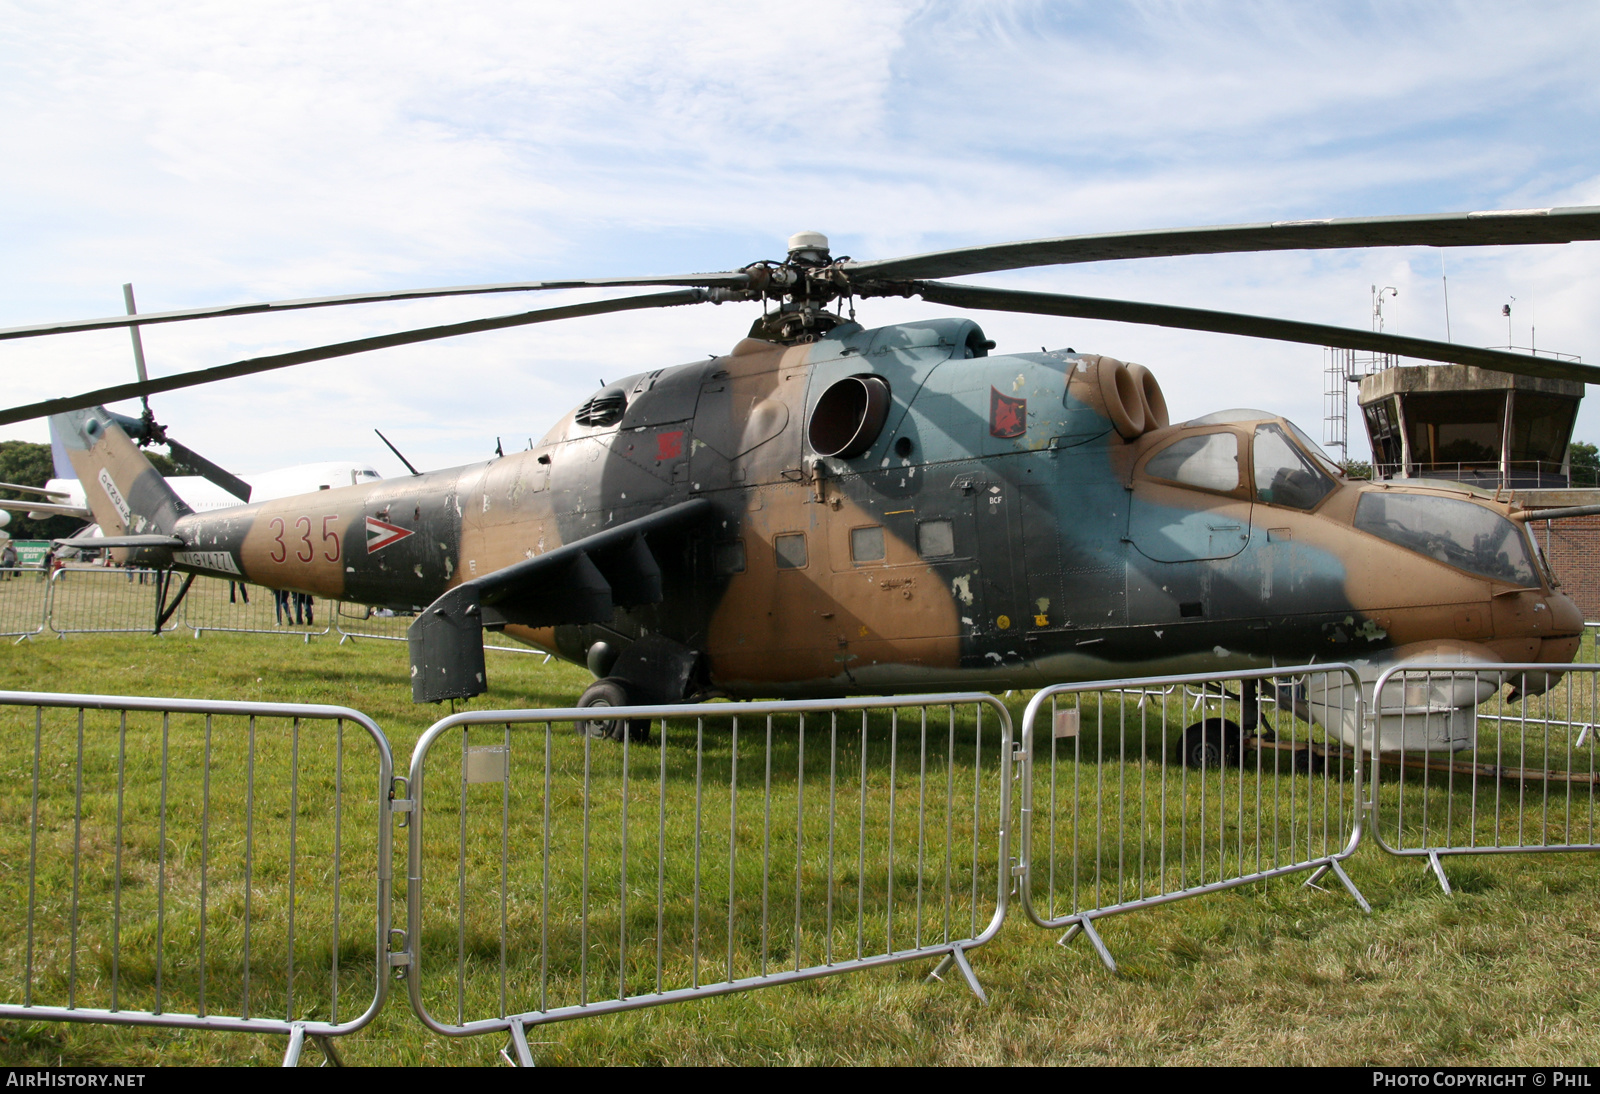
[
  {"x": 195, "y": 864},
  {"x": 1587, "y": 646},
  {"x": 555, "y": 876},
  {"x": 1133, "y": 798},
  {"x": 364, "y": 621},
  {"x": 217, "y": 604},
  {"x": 24, "y": 600},
  {"x": 103, "y": 600},
  {"x": 1517, "y": 772}
]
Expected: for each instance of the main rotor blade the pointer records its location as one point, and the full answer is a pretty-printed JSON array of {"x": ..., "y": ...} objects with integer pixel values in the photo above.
[
  {"x": 1252, "y": 326},
  {"x": 35, "y": 490},
  {"x": 50, "y": 508},
  {"x": 731, "y": 280},
  {"x": 345, "y": 349},
  {"x": 1498, "y": 227}
]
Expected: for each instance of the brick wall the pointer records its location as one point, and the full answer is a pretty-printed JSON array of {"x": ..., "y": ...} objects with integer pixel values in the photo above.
[{"x": 1573, "y": 548}]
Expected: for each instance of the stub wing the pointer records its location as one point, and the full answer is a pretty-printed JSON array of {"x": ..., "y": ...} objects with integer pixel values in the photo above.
[{"x": 580, "y": 582}]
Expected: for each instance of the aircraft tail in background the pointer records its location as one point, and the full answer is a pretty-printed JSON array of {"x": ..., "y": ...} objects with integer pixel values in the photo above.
[{"x": 58, "y": 453}]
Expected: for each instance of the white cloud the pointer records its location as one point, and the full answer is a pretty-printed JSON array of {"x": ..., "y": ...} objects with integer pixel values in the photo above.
[{"x": 212, "y": 152}]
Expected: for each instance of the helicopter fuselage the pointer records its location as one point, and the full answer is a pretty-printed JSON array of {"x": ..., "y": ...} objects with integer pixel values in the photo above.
[{"x": 1004, "y": 525}]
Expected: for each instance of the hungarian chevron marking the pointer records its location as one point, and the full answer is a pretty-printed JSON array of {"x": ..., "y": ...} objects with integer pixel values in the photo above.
[{"x": 381, "y": 534}]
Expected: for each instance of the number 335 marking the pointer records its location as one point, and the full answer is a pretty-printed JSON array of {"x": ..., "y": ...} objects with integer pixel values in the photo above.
[{"x": 307, "y": 552}]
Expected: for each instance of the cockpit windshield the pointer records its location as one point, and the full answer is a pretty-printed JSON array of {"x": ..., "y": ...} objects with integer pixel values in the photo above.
[
  {"x": 1284, "y": 475},
  {"x": 1450, "y": 530},
  {"x": 1315, "y": 449}
]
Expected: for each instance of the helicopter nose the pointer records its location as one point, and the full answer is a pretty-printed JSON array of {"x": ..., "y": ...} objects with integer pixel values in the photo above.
[
  {"x": 1566, "y": 618},
  {"x": 1540, "y": 627},
  {"x": 1565, "y": 634},
  {"x": 1525, "y": 619}
]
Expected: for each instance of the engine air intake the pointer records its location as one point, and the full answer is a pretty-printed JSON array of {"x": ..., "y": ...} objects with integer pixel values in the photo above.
[{"x": 849, "y": 416}]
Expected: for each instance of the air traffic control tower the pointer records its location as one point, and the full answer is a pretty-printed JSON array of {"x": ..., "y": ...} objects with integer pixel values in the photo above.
[
  {"x": 1504, "y": 434},
  {"x": 1490, "y": 429}
]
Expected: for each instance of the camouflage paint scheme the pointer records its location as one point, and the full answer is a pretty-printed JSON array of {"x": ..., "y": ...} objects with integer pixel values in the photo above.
[{"x": 1021, "y": 542}]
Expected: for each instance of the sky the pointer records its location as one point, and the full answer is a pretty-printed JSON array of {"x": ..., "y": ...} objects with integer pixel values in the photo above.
[{"x": 216, "y": 153}]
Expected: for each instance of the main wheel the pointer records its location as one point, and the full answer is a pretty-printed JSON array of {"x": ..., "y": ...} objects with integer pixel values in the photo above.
[
  {"x": 611, "y": 692},
  {"x": 1212, "y": 743}
]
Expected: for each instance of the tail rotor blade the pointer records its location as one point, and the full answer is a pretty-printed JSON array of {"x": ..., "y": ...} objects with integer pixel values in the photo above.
[{"x": 223, "y": 478}]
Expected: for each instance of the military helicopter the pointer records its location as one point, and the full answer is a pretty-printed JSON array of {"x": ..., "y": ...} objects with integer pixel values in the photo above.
[{"x": 829, "y": 509}]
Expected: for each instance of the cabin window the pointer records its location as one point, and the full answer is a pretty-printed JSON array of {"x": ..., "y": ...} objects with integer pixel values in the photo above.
[
  {"x": 866, "y": 544},
  {"x": 936, "y": 538},
  {"x": 1284, "y": 476},
  {"x": 790, "y": 550},
  {"x": 728, "y": 558},
  {"x": 1209, "y": 461}
]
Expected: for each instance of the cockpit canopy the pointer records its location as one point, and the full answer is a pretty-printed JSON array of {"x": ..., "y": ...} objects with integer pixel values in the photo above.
[
  {"x": 1282, "y": 472},
  {"x": 1287, "y": 468}
]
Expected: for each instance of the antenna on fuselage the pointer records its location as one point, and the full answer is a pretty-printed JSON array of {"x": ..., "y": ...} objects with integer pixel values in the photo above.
[{"x": 396, "y": 452}]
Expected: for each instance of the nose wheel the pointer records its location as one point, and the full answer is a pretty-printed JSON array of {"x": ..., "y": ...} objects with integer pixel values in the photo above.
[
  {"x": 611, "y": 692},
  {"x": 1212, "y": 743}
]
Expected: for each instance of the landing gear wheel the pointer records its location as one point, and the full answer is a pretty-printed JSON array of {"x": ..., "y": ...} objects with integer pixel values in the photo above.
[
  {"x": 1309, "y": 761},
  {"x": 611, "y": 692},
  {"x": 1212, "y": 743}
]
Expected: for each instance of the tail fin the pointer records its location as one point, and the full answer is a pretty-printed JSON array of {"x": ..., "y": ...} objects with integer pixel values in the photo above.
[
  {"x": 127, "y": 495},
  {"x": 58, "y": 452}
]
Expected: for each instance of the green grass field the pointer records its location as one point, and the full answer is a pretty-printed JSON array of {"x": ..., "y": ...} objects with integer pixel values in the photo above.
[{"x": 1503, "y": 972}]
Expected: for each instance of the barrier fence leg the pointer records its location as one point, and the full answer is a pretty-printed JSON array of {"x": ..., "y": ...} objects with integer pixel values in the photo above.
[
  {"x": 519, "y": 1045},
  {"x": 1344, "y": 879},
  {"x": 297, "y": 1041},
  {"x": 1438, "y": 871},
  {"x": 1086, "y": 926},
  {"x": 958, "y": 957},
  {"x": 330, "y": 1053},
  {"x": 1350, "y": 885}
]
